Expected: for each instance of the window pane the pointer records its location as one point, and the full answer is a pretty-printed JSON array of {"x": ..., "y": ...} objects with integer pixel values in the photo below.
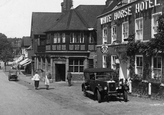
[
  {"x": 76, "y": 62},
  {"x": 159, "y": 62},
  {"x": 71, "y": 68},
  {"x": 81, "y": 61},
  {"x": 76, "y": 68},
  {"x": 70, "y": 61},
  {"x": 63, "y": 37},
  {"x": 81, "y": 68},
  {"x": 155, "y": 62}
]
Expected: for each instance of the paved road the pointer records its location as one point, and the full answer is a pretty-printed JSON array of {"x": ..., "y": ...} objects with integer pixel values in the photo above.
[
  {"x": 64, "y": 100},
  {"x": 17, "y": 99}
]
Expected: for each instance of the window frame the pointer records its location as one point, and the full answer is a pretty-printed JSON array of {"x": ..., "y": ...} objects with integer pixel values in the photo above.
[
  {"x": 104, "y": 61},
  {"x": 72, "y": 37},
  {"x": 63, "y": 38},
  {"x": 153, "y": 25},
  {"x": 136, "y": 66},
  {"x": 138, "y": 29},
  {"x": 73, "y": 65},
  {"x": 113, "y": 62},
  {"x": 104, "y": 35},
  {"x": 127, "y": 31},
  {"x": 153, "y": 68},
  {"x": 113, "y": 34}
]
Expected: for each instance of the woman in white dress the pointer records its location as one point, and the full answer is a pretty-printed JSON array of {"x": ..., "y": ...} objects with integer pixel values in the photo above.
[{"x": 47, "y": 81}]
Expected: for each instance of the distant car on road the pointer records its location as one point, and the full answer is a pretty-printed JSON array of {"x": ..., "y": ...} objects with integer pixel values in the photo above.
[
  {"x": 13, "y": 75},
  {"x": 102, "y": 82}
]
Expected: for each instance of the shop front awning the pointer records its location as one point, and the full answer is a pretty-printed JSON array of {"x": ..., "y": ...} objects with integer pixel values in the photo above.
[
  {"x": 25, "y": 62},
  {"x": 19, "y": 59}
]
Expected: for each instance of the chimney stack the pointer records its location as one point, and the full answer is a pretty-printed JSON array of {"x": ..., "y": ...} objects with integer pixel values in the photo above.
[{"x": 66, "y": 5}]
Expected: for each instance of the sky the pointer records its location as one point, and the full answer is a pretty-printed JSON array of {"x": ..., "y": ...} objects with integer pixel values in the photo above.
[{"x": 15, "y": 15}]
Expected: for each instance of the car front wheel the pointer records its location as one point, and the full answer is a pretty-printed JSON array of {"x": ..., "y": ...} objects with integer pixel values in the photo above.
[{"x": 99, "y": 97}]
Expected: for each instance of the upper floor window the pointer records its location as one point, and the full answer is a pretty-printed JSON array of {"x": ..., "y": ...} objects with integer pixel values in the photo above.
[
  {"x": 91, "y": 38},
  {"x": 157, "y": 67},
  {"x": 139, "y": 65},
  {"x": 55, "y": 38},
  {"x": 155, "y": 23},
  {"x": 58, "y": 38},
  {"x": 72, "y": 37},
  {"x": 125, "y": 31},
  {"x": 113, "y": 34},
  {"x": 104, "y": 63},
  {"x": 139, "y": 29},
  {"x": 104, "y": 35},
  {"x": 77, "y": 38},
  {"x": 38, "y": 40},
  {"x": 63, "y": 37},
  {"x": 48, "y": 40}
]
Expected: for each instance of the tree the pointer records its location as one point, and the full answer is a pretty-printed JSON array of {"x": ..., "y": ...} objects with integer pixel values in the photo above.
[{"x": 5, "y": 49}]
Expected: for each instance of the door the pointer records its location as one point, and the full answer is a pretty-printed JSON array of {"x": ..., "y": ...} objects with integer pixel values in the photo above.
[{"x": 60, "y": 72}]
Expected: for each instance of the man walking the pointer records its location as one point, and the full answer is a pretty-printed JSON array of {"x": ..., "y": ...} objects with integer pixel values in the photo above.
[{"x": 69, "y": 77}]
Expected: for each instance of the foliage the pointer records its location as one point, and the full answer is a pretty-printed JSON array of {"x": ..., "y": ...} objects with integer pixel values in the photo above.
[
  {"x": 5, "y": 48},
  {"x": 150, "y": 48}
]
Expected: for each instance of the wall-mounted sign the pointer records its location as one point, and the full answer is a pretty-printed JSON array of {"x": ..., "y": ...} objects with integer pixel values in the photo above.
[
  {"x": 122, "y": 13},
  {"x": 139, "y": 7},
  {"x": 147, "y": 4},
  {"x": 104, "y": 48},
  {"x": 106, "y": 19}
]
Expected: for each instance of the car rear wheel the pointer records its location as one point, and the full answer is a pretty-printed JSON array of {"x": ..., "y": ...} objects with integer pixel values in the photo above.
[
  {"x": 84, "y": 91},
  {"x": 125, "y": 96},
  {"x": 99, "y": 97}
]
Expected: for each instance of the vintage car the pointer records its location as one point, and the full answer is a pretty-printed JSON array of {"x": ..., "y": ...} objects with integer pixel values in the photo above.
[
  {"x": 103, "y": 82},
  {"x": 13, "y": 75}
]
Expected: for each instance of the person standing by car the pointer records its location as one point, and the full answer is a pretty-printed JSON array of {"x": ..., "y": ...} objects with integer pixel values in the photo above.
[
  {"x": 69, "y": 77},
  {"x": 36, "y": 79}
]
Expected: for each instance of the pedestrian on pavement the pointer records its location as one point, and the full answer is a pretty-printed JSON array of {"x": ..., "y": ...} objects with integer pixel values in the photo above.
[
  {"x": 47, "y": 80},
  {"x": 69, "y": 77},
  {"x": 36, "y": 79}
]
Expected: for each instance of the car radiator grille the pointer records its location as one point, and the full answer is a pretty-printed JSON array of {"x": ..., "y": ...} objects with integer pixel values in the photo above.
[{"x": 112, "y": 87}]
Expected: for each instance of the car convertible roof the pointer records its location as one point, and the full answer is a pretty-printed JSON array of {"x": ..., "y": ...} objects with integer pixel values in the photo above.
[{"x": 91, "y": 70}]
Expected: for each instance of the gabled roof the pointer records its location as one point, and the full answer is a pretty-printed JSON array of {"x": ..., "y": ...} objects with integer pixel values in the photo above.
[
  {"x": 80, "y": 18},
  {"x": 41, "y": 21}
]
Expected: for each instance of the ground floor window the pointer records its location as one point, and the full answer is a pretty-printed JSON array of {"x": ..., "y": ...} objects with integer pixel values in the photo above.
[
  {"x": 104, "y": 64},
  {"x": 139, "y": 65},
  {"x": 113, "y": 62},
  {"x": 76, "y": 65},
  {"x": 157, "y": 67}
]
